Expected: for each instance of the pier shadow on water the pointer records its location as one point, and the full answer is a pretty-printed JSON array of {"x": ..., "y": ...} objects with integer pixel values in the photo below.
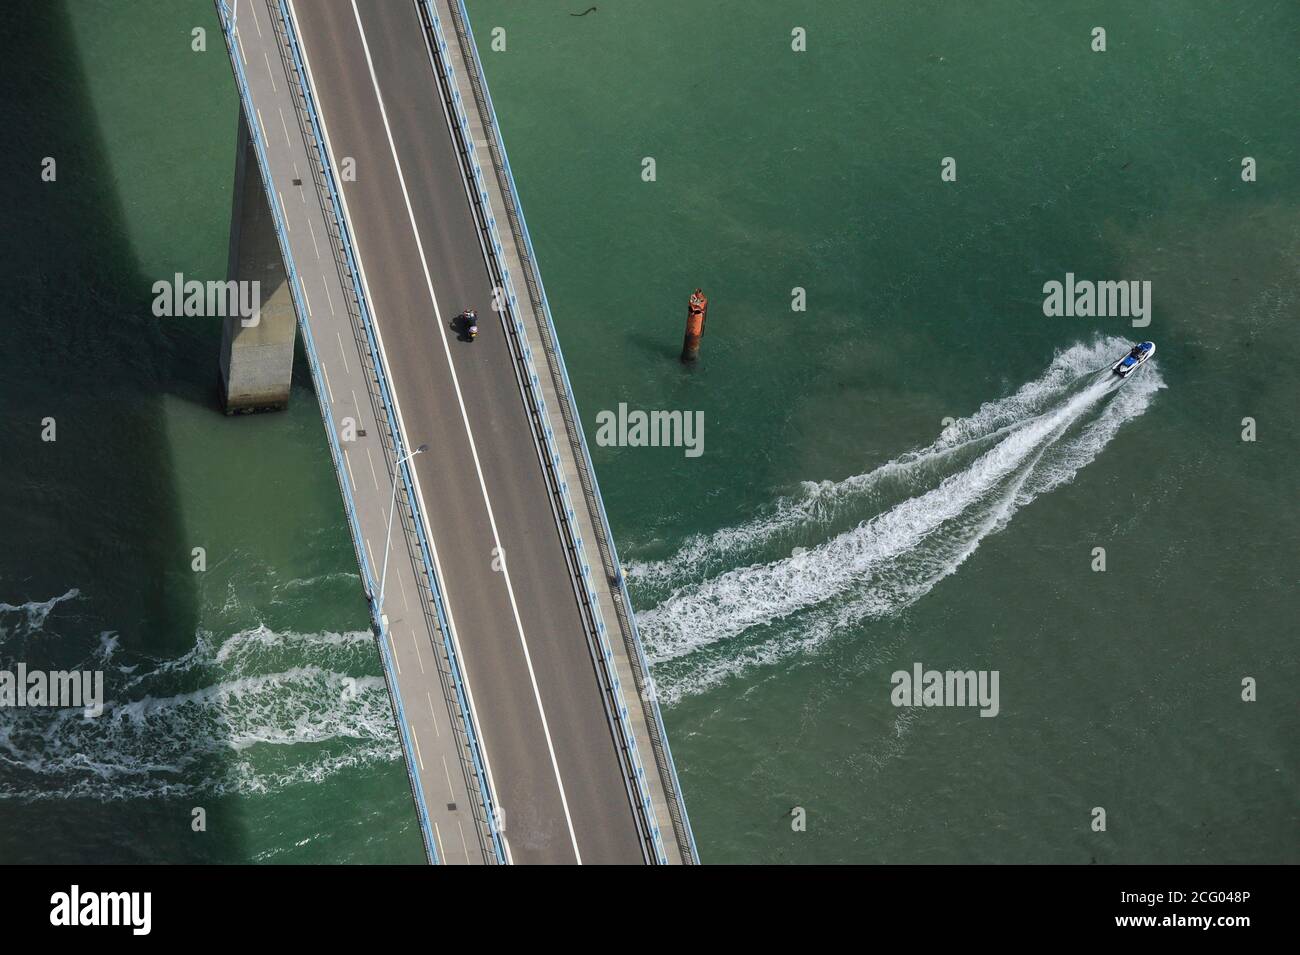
[{"x": 95, "y": 571}]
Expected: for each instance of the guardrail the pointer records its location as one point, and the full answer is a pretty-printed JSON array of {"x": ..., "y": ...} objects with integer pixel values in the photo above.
[
  {"x": 295, "y": 285},
  {"x": 568, "y": 410}
]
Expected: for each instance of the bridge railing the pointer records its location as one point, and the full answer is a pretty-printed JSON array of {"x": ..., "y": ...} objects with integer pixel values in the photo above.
[
  {"x": 228, "y": 26},
  {"x": 644, "y": 688}
]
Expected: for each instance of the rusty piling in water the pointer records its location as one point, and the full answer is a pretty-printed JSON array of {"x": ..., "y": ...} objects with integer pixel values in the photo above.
[{"x": 697, "y": 312}]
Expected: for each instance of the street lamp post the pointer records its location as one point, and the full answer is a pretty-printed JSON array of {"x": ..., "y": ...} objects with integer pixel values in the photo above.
[{"x": 392, "y": 506}]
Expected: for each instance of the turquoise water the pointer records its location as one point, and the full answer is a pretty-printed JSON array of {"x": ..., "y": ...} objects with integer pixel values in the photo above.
[{"x": 834, "y": 530}]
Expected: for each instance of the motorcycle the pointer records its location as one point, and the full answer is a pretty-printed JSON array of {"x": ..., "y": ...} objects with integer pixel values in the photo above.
[{"x": 469, "y": 318}]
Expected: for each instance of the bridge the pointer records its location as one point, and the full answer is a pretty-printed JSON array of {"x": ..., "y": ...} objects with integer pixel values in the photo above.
[{"x": 374, "y": 202}]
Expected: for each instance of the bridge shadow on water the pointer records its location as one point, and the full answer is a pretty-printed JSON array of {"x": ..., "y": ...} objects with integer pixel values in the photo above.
[{"x": 95, "y": 571}]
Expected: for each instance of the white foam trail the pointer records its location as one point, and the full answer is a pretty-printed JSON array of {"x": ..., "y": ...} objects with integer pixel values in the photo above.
[
  {"x": 704, "y": 633},
  {"x": 749, "y": 596},
  {"x": 260, "y": 648},
  {"x": 37, "y": 611},
  {"x": 820, "y": 502},
  {"x": 195, "y": 741},
  {"x": 338, "y": 575},
  {"x": 249, "y": 713}
]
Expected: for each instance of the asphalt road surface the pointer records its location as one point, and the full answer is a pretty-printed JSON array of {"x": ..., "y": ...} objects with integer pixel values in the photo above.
[{"x": 551, "y": 755}]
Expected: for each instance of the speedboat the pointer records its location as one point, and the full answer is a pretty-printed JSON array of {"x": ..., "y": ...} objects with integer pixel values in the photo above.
[{"x": 1137, "y": 356}]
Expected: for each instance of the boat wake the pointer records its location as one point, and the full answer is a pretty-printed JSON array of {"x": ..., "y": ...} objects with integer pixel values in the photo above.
[
  {"x": 249, "y": 713},
  {"x": 869, "y": 546}
]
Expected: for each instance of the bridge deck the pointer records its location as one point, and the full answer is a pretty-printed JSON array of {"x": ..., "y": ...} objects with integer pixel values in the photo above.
[
  {"x": 417, "y": 663},
  {"x": 557, "y": 768}
]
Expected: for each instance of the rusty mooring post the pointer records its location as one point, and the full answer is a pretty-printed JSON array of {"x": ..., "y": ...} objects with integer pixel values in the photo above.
[{"x": 697, "y": 311}]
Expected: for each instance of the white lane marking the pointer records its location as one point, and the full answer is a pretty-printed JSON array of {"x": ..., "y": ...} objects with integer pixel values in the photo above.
[
  {"x": 284, "y": 212},
  {"x": 305, "y": 297},
  {"x": 312, "y": 229},
  {"x": 434, "y": 712},
  {"x": 252, "y": 10},
  {"x": 325, "y": 372},
  {"x": 505, "y": 571},
  {"x": 267, "y": 60},
  {"x": 418, "y": 658},
  {"x": 351, "y": 480},
  {"x": 328, "y": 297},
  {"x": 373, "y": 476},
  {"x": 393, "y": 646},
  {"x": 287, "y": 141},
  {"x": 302, "y": 194},
  {"x": 342, "y": 351},
  {"x": 416, "y": 740},
  {"x": 437, "y": 834},
  {"x": 405, "y": 605},
  {"x": 463, "y": 844},
  {"x": 451, "y": 792},
  {"x": 466, "y": 680},
  {"x": 261, "y": 126},
  {"x": 234, "y": 20}
]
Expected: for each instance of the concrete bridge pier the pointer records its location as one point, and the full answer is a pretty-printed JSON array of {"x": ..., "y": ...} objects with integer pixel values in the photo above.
[{"x": 256, "y": 359}]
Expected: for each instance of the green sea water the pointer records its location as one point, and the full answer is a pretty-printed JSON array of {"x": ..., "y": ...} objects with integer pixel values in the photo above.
[{"x": 917, "y": 468}]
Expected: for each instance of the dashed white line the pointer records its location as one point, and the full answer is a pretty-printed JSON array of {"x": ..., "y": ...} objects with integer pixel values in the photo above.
[
  {"x": 283, "y": 211},
  {"x": 353, "y": 481},
  {"x": 342, "y": 351},
  {"x": 393, "y": 647},
  {"x": 433, "y": 710},
  {"x": 268, "y": 65},
  {"x": 325, "y": 373},
  {"x": 305, "y": 297},
  {"x": 416, "y": 740},
  {"x": 405, "y": 606},
  {"x": 312, "y": 229},
  {"x": 438, "y": 835},
  {"x": 328, "y": 297},
  {"x": 287, "y": 141},
  {"x": 373, "y": 476},
  {"x": 416, "y": 643},
  {"x": 451, "y": 790}
]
